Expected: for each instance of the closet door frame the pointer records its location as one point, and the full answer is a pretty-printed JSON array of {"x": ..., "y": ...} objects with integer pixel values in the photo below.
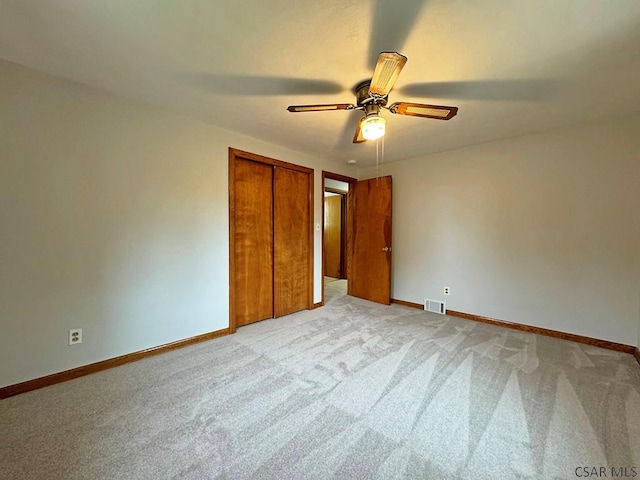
[{"x": 234, "y": 154}]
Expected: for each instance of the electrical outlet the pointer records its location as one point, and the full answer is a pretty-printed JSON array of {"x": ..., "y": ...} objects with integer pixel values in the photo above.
[
  {"x": 447, "y": 291},
  {"x": 75, "y": 336}
]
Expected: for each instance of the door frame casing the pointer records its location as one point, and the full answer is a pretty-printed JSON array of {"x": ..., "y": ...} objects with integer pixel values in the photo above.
[
  {"x": 340, "y": 178},
  {"x": 234, "y": 154}
]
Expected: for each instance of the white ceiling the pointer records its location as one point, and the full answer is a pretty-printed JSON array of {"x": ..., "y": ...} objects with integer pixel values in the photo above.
[{"x": 512, "y": 67}]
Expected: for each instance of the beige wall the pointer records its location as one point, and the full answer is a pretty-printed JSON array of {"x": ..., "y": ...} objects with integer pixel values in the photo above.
[
  {"x": 542, "y": 230},
  {"x": 114, "y": 219}
]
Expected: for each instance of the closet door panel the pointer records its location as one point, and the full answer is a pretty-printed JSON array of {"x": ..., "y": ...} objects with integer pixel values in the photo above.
[
  {"x": 291, "y": 240},
  {"x": 253, "y": 237}
]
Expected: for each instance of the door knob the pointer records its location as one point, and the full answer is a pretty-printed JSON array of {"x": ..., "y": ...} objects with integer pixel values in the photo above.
[{"x": 386, "y": 249}]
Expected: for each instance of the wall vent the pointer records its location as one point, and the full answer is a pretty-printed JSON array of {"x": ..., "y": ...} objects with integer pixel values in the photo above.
[{"x": 435, "y": 306}]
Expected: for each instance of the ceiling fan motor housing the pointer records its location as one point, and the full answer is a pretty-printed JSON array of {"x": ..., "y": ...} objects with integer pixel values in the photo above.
[{"x": 363, "y": 99}]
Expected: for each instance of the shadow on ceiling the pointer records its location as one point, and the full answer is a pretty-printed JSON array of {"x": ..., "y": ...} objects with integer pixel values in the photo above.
[{"x": 262, "y": 85}]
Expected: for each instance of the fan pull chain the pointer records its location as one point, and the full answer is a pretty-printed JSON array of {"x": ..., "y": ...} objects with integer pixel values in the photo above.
[
  {"x": 382, "y": 159},
  {"x": 377, "y": 161}
]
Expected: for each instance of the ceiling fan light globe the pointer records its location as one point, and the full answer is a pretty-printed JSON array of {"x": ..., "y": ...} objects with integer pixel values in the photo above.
[{"x": 373, "y": 127}]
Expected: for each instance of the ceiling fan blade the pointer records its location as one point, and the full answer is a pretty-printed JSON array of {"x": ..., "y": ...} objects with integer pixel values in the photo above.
[
  {"x": 386, "y": 73},
  {"x": 439, "y": 112},
  {"x": 321, "y": 108},
  {"x": 358, "y": 138}
]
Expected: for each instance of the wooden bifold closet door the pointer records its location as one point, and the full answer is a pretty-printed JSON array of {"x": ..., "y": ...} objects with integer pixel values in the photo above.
[
  {"x": 270, "y": 240},
  {"x": 290, "y": 250},
  {"x": 253, "y": 241}
]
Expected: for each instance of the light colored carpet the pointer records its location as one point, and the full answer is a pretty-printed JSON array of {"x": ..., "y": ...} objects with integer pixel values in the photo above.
[{"x": 350, "y": 390}]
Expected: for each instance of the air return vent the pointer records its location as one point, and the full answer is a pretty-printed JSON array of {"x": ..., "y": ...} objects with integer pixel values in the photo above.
[{"x": 435, "y": 306}]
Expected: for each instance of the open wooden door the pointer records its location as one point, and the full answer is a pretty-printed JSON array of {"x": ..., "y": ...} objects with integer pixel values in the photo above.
[{"x": 369, "y": 239}]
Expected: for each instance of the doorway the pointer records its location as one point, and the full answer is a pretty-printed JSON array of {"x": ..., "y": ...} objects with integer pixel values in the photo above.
[
  {"x": 367, "y": 261},
  {"x": 334, "y": 230}
]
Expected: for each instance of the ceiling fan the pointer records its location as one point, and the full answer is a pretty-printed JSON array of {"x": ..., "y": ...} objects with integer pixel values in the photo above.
[{"x": 372, "y": 96}]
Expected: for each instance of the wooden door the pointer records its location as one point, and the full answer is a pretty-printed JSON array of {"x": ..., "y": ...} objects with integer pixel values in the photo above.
[
  {"x": 270, "y": 238},
  {"x": 252, "y": 237},
  {"x": 291, "y": 245},
  {"x": 333, "y": 236},
  {"x": 369, "y": 239}
]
